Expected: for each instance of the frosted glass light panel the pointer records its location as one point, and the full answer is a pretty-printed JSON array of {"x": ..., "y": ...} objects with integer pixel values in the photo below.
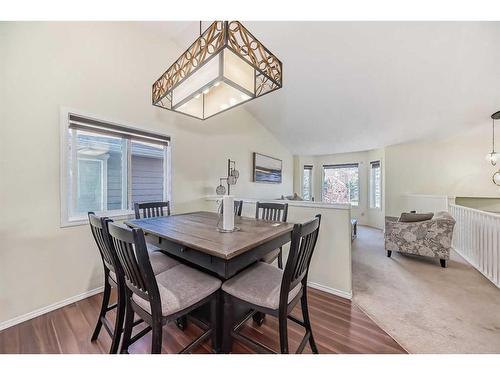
[{"x": 225, "y": 67}]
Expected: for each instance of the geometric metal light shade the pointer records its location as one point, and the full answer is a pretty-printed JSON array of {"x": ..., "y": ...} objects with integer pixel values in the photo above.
[{"x": 225, "y": 67}]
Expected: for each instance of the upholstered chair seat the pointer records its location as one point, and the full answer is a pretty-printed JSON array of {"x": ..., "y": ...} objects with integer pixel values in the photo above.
[
  {"x": 259, "y": 285},
  {"x": 159, "y": 262},
  {"x": 180, "y": 287},
  {"x": 272, "y": 256},
  {"x": 152, "y": 247}
]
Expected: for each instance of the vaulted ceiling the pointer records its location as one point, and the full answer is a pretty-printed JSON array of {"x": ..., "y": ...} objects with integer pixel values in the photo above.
[{"x": 351, "y": 86}]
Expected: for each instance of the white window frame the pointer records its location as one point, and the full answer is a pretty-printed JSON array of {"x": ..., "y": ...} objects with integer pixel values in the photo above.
[
  {"x": 358, "y": 164},
  {"x": 68, "y": 220},
  {"x": 371, "y": 204}
]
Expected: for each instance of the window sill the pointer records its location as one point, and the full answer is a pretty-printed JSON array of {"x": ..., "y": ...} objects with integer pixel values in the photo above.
[{"x": 83, "y": 219}]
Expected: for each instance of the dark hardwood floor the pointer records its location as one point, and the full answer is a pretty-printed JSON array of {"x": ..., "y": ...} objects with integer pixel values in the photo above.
[{"x": 339, "y": 326}]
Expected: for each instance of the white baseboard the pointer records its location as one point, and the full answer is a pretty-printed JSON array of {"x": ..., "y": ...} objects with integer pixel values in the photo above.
[
  {"x": 327, "y": 289},
  {"x": 49, "y": 308}
]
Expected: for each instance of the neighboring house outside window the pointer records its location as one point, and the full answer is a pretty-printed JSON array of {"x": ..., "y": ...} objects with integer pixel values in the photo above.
[
  {"x": 109, "y": 167},
  {"x": 341, "y": 183},
  {"x": 375, "y": 185},
  {"x": 307, "y": 183}
]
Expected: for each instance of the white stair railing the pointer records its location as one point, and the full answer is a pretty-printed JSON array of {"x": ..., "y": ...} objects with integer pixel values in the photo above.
[{"x": 477, "y": 239}]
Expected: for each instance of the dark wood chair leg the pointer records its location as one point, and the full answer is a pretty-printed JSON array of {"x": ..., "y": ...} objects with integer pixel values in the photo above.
[
  {"x": 129, "y": 324},
  {"x": 307, "y": 322},
  {"x": 389, "y": 252},
  {"x": 228, "y": 324},
  {"x": 156, "y": 340},
  {"x": 280, "y": 259},
  {"x": 214, "y": 323},
  {"x": 104, "y": 306},
  {"x": 120, "y": 315},
  {"x": 443, "y": 262},
  {"x": 283, "y": 328}
]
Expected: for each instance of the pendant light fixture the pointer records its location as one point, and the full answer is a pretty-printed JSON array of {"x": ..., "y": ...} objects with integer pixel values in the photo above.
[
  {"x": 225, "y": 67},
  {"x": 493, "y": 157}
]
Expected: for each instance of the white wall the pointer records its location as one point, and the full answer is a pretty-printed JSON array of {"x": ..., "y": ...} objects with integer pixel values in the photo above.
[
  {"x": 453, "y": 166},
  {"x": 364, "y": 214},
  {"x": 107, "y": 69}
]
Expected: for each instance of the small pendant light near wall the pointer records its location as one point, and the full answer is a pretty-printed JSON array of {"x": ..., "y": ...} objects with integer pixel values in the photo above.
[
  {"x": 225, "y": 66},
  {"x": 493, "y": 157}
]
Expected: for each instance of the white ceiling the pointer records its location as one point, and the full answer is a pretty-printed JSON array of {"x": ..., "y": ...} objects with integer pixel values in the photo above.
[{"x": 351, "y": 86}]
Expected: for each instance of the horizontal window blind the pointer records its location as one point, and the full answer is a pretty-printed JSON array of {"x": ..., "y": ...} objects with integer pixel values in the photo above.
[
  {"x": 97, "y": 126},
  {"x": 375, "y": 164},
  {"x": 308, "y": 167},
  {"x": 338, "y": 166}
]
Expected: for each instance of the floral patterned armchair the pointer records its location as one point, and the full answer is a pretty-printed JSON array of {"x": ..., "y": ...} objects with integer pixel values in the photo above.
[{"x": 431, "y": 238}]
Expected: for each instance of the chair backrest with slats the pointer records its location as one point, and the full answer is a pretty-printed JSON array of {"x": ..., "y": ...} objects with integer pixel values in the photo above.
[
  {"x": 99, "y": 228},
  {"x": 151, "y": 209},
  {"x": 271, "y": 211},
  {"x": 304, "y": 237},
  {"x": 130, "y": 247},
  {"x": 238, "y": 207}
]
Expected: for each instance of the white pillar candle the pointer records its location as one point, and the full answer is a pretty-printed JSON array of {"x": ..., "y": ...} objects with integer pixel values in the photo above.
[{"x": 228, "y": 214}]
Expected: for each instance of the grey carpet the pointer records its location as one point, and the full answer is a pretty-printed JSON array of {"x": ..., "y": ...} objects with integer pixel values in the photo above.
[{"x": 426, "y": 308}]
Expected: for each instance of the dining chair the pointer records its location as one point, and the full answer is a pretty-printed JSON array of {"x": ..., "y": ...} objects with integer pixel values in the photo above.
[
  {"x": 238, "y": 207},
  {"x": 161, "y": 298},
  {"x": 156, "y": 209},
  {"x": 114, "y": 278},
  {"x": 273, "y": 291},
  {"x": 274, "y": 212},
  {"x": 151, "y": 209}
]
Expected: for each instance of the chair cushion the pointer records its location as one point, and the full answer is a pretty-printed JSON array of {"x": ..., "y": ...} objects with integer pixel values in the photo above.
[
  {"x": 271, "y": 257},
  {"x": 159, "y": 263},
  {"x": 181, "y": 287},
  {"x": 152, "y": 247},
  {"x": 259, "y": 285}
]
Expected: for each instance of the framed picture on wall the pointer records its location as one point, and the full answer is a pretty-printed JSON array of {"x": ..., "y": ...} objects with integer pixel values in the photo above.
[{"x": 267, "y": 169}]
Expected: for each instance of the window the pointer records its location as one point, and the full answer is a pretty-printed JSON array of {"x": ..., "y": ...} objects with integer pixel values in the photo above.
[
  {"x": 375, "y": 185},
  {"x": 341, "y": 183},
  {"x": 106, "y": 168},
  {"x": 307, "y": 178}
]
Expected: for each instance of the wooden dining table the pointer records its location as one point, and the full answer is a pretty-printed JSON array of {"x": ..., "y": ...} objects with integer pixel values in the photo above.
[{"x": 194, "y": 239}]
